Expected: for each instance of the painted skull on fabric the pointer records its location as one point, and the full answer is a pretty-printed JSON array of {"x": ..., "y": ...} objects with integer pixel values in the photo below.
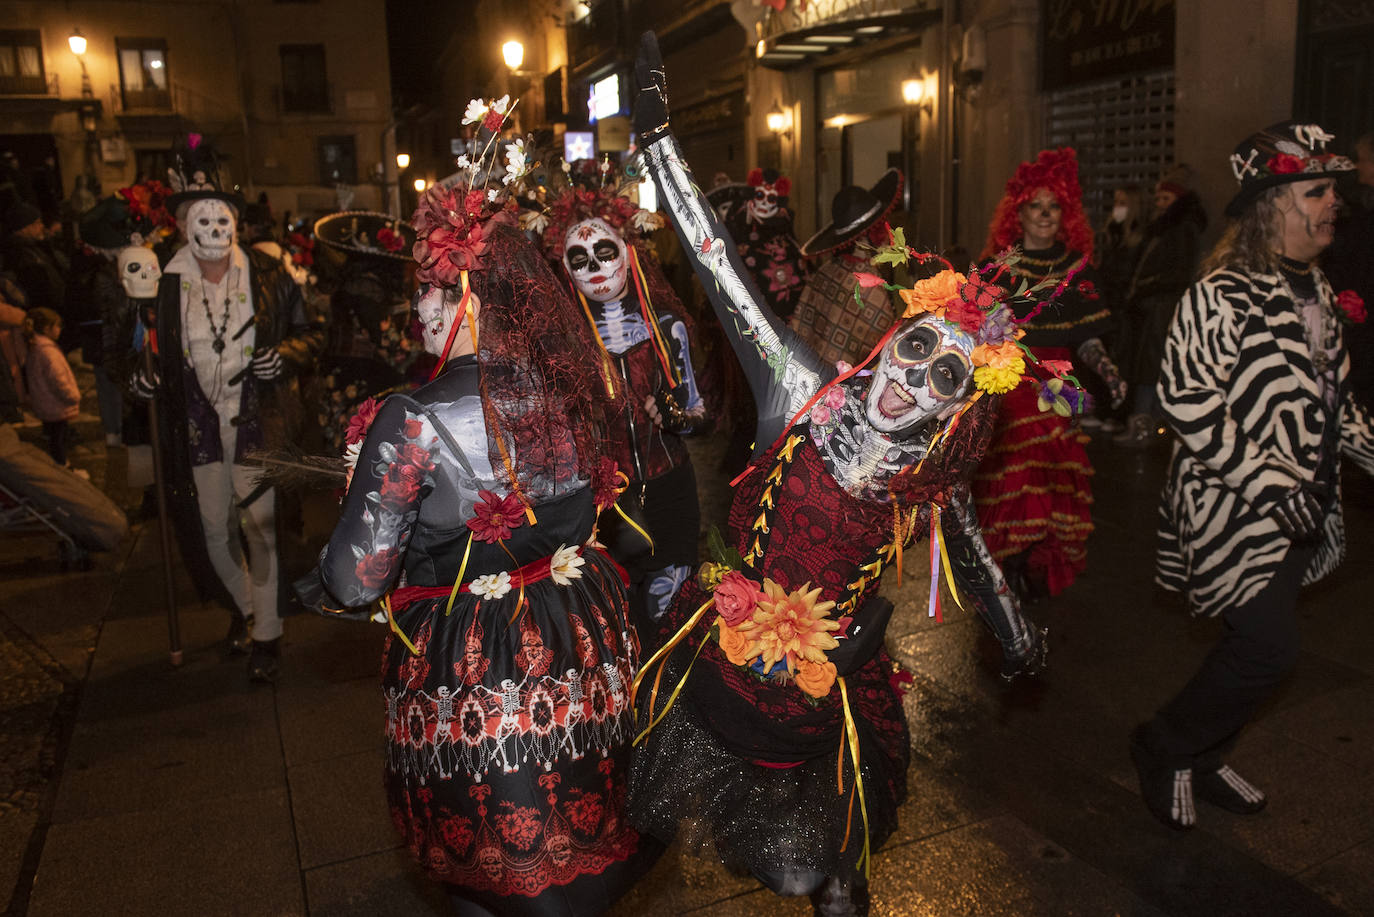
[
  {"x": 924, "y": 372},
  {"x": 210, "y": 229},
  {"x": 595, "y": 257},
  {"x": 139, "y": 272}
]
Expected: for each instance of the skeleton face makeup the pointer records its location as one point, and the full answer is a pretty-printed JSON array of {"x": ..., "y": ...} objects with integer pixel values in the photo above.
[
  {"x": 139, "y": 272},
  {"x": 210, "y": 229},
  {"x": 438, "y": 311},
  {"x": 594, "y": 255},
  {"x": 924, "y": 372},
  {"x": 764, "y": 204}
]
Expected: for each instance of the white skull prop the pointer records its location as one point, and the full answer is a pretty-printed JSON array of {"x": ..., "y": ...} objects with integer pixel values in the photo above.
[
  {"x": 594, "y": 255},
  {"x": 139, "y": 272},
  {"x": 924, "y": 372},
  {"x": 210, "y": 228}
]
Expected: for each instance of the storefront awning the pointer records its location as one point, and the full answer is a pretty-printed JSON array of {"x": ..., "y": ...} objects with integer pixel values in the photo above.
[{"x": 783, "y": 46}]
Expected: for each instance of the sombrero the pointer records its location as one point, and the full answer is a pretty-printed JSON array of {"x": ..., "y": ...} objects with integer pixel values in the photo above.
[
  {"x": 853, "y": 211},
  {"x": 363, "y": 232}
]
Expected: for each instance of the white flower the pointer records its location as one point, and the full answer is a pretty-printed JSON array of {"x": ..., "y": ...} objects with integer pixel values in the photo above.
[
  {"x": 350, "y": 458},
  {"x": 492, "y": 585},
  {"x": 463, "y": 162},
  {"x": 491, "y": 194},
  {"x": 564, "y": 564},
  {"x": 646, "y": 220},
  {"x": 535, "y": 221},
  {"x": 476, "y": 111},
  {"x": 516, "y": 166},
  {"x": 501, "y": 104}
]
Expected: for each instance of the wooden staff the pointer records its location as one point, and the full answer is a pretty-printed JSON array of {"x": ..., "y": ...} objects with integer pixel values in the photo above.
[{"x": 163, "y": 523}]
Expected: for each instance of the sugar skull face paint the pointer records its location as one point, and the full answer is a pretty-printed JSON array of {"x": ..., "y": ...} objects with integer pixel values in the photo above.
[
  {"x": 210, "y": 228},
  {"x": 924, "y": 372},
  {"x": 595, "y": 257}
]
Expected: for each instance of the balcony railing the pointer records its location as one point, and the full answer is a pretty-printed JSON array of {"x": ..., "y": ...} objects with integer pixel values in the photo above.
[{"x": 45, "y": 85}]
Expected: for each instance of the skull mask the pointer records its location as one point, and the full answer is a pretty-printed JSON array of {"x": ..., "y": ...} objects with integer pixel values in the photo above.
[
  {"x": 764, "y": 204},
  {"x": 594, "y": 255},
  {"x": 210, "y": 229},
  {"x": 924, "y": 372},
  {"x": 139, "y": 272}
]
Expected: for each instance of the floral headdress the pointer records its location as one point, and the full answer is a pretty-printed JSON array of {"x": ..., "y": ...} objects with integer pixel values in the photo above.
[
  {"x": 1057, "y": 171},
  {"x": 147, "y": 203}
]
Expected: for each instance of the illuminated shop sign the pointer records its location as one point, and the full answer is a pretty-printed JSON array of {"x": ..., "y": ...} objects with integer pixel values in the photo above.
[
  {"x": 603, "y": 100},
  {"x": 578, "y": 145}
]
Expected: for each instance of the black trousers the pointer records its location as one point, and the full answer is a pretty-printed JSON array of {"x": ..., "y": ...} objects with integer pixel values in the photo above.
[
  {"x": 1258, "y": 649},
  {"x": 56, "y": 431}
]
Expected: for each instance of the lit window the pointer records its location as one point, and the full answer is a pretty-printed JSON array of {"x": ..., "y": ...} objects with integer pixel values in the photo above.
[
  {"x": 21, "y": 63},
  {"x": 143, "y": 77}
]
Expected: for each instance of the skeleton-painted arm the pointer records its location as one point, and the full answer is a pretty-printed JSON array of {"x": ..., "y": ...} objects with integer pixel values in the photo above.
[
  {"x": 783, "y": 372},
  {"x": 980, "y": 578}
]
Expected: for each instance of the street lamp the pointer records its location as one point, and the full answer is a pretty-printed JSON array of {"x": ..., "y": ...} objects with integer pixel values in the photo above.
[
  {"x": 402, "y": 160},
  {"x": 420, "y": 185},
  {"x": 513, "y": 53},
  {"x": 77, "y": 42},
  {"x": 779, "y": 120}
]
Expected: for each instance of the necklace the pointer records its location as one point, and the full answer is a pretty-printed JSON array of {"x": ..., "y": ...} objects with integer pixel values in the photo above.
[
  {"x": 1296, "y": 268},
  {"x": 217, "y": 333}
]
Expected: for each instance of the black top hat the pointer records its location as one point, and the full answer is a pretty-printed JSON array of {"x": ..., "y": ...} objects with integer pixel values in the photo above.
[
  {"x": 1279, "y": 154},
  {"x": 194, "y": 174},
  {"x": 853, "y": 211},
  {"x": 362, "y": 232}
]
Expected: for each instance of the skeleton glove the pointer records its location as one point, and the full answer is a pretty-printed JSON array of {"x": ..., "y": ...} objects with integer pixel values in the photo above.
[
  {"x": 1299, "y": 512},
  {"x": 651, "y": 102},
  {"x": 1095, "y": 356},
  {"x": 143, "y": 384},
  {"x": 267, "y": 364}
]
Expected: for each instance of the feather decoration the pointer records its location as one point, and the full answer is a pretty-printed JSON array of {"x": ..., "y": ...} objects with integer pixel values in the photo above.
[{"x": 295, "y": 470}]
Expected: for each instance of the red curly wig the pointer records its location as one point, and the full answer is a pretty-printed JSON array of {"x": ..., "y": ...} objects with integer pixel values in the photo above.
[
  {"x": 1057, "y": 171},
  {"x": 576, "y": 205}
]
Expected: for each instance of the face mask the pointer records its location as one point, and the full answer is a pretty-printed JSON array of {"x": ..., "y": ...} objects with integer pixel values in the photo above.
[
  {"x": 210, "y": 229},
  {"x": 924, "y": 372},
  {"x": 139, "y": 272},
  {"x": 764, "y": 204},
  {"x": 1119, "y": 213},
  {"x": 594, "y": 255}
]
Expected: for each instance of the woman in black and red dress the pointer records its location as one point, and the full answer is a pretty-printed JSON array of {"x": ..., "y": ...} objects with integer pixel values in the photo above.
[
  {"x": 1034, "y": 488},
  {"x": 471, "y": 512},
  {"x": 774, "y": 666}
]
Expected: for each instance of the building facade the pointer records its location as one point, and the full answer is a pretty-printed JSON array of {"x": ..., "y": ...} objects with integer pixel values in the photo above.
[{"x": 297, "y": 94}]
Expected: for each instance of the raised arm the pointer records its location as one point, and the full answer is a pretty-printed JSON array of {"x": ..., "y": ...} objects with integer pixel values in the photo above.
[{"x": 783, "y": 372}]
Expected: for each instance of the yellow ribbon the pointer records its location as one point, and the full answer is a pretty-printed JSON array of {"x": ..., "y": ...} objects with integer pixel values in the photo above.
[
  {"x": 608, "y": 374},
  {"x": 671, "y": 697},
  {"x": 391, "y": 620},
  {"x": 852, "y": 733},
  {"x": 944, "y": 559},
  {"x": 634, "y": 525},
  {"x": 667, "y": 648},
  {"x": 458, "y": 583}
]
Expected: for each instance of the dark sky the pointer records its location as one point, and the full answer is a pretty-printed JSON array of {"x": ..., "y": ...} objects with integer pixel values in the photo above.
[{"x": 417, "y": 31}]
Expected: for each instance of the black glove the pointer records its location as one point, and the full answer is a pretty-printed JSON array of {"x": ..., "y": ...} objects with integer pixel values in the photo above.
[
  {"x": 267, "y": 364},
  {"x": 651, "y": 101},
  {"x": 672, "y": 418},
  {"x": 1095, "y": 356},
  {"x": 865, "y": 636},
  {"x": 1300, "y": 512},
  {"x": 1034, "y": 662},
  {"x": 143, "y": 384}
]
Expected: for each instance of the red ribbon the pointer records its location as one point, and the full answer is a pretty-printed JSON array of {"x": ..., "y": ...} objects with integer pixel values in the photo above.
[{"x": 524, "y": 576}]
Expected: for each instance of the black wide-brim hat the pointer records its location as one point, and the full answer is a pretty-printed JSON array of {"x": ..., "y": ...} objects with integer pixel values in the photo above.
[
  {"x": 185, "y": 197},
  {"x": 854, "y": 211},
  {"x": 725, "y": 199},
  {"x": 354, "y": 232},
  {"x": 1281, "y": 153}
]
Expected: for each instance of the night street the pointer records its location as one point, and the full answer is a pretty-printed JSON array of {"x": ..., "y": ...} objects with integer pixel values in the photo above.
[{"x": 120, "y": 789}]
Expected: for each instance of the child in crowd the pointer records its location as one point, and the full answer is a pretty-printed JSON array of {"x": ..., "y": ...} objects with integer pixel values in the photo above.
[{"x": 53, "y": 394}]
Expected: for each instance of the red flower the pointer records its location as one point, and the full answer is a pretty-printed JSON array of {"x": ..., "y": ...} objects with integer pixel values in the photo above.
[
  {"x": 457, "y": 834},
  {"x": 584, "y": 812},
  {"x": 376, "y": 569},
  {"x": 413, "y": 454},
  {"x": 493, "y": 120},
  {"x": 401, "y": 486},
  {"x": 389, "y": 239},
  {"x": 413, "y": 428},
  {"x": 868, "y": 280},
  {"x": 965, "y": 314},
  {"x": 605, "y": 483},
  {"x": 1285, "y": 164},
  {"x": 361, "y": 421},
  {"x": 1351, "y": 305},
  {"x": 495, "y": 516},
  {"x": 736, "y": 596}
]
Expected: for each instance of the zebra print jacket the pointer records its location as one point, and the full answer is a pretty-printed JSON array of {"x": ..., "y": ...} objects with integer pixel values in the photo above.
[{"x": 1238, "y": 387}]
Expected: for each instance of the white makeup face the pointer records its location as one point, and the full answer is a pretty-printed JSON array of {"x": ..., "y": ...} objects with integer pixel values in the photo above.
[
  {"x": 764, "y": 204},
  {"x": 438, "y": 310},
  {"x": 594, "y": 255},
  {"x": 924, "y": 372},
  {"x": 139, "y": 271},
  {"x": 1308, "y": 217},
  {"x": 210, "y": 229}
]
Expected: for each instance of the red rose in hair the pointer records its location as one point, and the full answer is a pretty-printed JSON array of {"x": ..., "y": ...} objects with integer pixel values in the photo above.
[
  {"x": 361, "y": 421},
  {"x": 495, "y": 516},
  {"x": 1284, "y": 164},
  {"x": 376, "y": 569},
  {"x": 1351, "y": 305}
]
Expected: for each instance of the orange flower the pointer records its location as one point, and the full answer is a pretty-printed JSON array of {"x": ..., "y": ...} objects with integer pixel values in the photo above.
[
  {"x": 735, "y": 645},
  {"x": 999, "y": 356},
  {"x": 790, "y": 626},
  {"x": 814, "y": 679},
  {"x": 932, "y": 294}
]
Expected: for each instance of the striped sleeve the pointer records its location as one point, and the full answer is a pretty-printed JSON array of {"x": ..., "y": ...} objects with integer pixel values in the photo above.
[
  {"x": 1200, "y": 356},
  {"x": 1357, "y": 433}
]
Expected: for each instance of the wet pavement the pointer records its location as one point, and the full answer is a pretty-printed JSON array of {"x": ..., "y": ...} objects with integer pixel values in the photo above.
[{"x": 128, "y": 786}]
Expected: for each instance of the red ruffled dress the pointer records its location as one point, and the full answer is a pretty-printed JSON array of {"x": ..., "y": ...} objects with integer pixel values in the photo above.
[{"x": 1034, "y": 487}]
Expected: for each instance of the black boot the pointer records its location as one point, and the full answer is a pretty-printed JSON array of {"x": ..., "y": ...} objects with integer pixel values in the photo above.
[
  {"x": 264, "y": 663},
  {"x": 237, "y": 642}
]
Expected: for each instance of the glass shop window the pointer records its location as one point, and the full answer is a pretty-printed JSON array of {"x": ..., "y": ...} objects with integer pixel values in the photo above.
[
  {"x": 143, "y": 79},
  {"x": 304, "y": 85}
]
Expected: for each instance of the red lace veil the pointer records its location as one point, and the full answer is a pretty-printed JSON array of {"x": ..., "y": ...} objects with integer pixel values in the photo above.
[
  {"x": 546, "y": 404},
  {"x": 1056, "y": 170}
]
